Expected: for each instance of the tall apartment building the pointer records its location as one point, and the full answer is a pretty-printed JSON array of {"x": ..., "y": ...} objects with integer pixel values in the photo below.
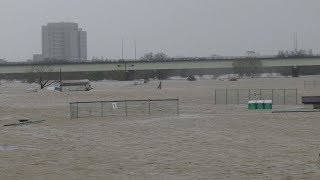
[{"x": 64, "y": 41}]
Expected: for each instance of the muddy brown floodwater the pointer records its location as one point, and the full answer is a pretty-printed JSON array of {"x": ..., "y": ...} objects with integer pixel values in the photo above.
[{"x": 206, "y": 141}]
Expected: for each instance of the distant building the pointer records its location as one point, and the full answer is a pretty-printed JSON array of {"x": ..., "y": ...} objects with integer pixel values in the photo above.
[
  {"x": 2, "y": 61},
  {"x": 37, "y": 57},
  {"x": 64, "y": 41}
]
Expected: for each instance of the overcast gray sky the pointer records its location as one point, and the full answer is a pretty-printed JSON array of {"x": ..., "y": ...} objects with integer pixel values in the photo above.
[{"x": 176, "y": 27}]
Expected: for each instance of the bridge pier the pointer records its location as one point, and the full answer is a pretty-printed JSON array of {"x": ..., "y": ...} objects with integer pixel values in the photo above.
[
  {"x": 129, "y": 75},
  {"x": 295, "y": 71}
]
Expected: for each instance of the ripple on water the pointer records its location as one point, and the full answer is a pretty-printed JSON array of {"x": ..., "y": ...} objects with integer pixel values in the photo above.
[{"x": 13, "y": 148}]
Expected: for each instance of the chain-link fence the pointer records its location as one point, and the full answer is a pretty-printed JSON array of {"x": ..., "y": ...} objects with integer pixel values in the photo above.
[
  {"x": 311, "y": 84},
  {"x": 242, "y": 96},
  {"x": 163, "y": 107}
]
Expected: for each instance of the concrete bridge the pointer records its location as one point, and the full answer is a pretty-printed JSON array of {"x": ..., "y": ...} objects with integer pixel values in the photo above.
[{"x": 295, "y": 63}]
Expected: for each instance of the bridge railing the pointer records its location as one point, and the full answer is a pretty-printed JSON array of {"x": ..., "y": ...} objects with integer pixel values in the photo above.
[{"x": 168, "y": 59}]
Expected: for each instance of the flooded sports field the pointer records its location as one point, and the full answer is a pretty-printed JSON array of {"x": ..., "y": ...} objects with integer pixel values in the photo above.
[{"x": 205, "y": 141}]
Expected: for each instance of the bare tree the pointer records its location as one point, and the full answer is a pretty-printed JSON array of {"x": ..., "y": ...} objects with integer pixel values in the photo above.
[
  {"x": 147, "y": 57},
  {"x": 155, "y": 57},
  {"x": 247, "y": 67},
  {"x": 41, "y": 74},
  {"x": 295, "y": 53},
  {"x": 160, "y": 57}
]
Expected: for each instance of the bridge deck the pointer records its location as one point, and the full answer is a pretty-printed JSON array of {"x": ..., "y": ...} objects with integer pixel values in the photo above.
[{"x": 154, "y": 65}]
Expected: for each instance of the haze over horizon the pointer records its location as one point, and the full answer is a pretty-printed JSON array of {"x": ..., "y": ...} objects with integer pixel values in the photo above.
[{"x": 175, "y": 27}]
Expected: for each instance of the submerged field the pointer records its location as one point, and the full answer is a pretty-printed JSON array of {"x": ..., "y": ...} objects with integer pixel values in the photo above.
[{"x": 206, "y": 141}]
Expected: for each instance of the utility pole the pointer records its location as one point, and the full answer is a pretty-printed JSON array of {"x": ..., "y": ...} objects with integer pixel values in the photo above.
[
  {"x": 122, "y": 49},
  {"x": 135, "y": 50},
  {"x": 296, "y": 42}
]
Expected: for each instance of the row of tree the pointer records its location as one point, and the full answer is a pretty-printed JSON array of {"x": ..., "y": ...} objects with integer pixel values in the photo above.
[
  {"x": 160, "y": 56},
  {"x": 155, "y": 57},
  {"x": 296, "y": 53}
]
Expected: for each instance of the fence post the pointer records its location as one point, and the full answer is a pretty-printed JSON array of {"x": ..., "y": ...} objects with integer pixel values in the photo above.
[
  {"x": 296, "y": 96},
  {"x": 284, "y": 96},
  {"x": 178, "y": 108},
  {"x": 260, "y": 94},
  {"x": 249, "y": 94},
  {"x": 272, "y": 94},
  {"x": 215, "y": 96},
  {"x": 238, "y": 96},
  {"x": 77, "y": 110},
  {"x": 101, "y": 109},
  {"x": 149, "y": 108},
  {"x": 226, "y": 96},
  {"x": 70, "y": 112},
  {"x": 126, "y": 107}
]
